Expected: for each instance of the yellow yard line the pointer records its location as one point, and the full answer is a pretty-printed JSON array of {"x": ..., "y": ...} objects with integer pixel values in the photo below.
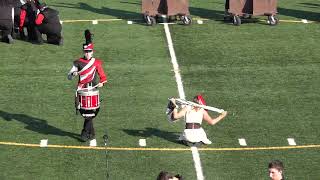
[
  {"x": 293, "y": 21},
  {"x": 281, "y": 20},
  {"x": 260, "y": 148},
  {"x": 87, "y": 20},
  {"x": 162, "y": 149},
  {"x": 204, "y": 19},
  {"x": 296, "y": 21}
]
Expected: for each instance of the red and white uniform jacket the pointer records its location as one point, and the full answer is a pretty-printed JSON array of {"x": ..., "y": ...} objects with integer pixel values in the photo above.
[{"x": 88, "y": 71}]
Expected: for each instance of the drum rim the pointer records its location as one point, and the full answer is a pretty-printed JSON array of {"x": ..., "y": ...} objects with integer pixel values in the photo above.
[
  {"x": 90, "y": 108},
  {"x": 88, "y": 93}
]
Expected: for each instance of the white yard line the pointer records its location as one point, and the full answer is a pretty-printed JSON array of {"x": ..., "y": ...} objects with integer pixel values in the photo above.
[
  {"x": 197, "y": 162},
  {"x": 194, "y": 150},
  {"x": 174, "y": 62}
]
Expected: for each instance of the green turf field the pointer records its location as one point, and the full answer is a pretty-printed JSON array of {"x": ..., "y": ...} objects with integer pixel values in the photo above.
[{"x": 266, "y": 77}]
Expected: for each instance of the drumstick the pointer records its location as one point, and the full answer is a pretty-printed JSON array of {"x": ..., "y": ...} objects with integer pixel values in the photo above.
[{"x": 89, "y": 88}]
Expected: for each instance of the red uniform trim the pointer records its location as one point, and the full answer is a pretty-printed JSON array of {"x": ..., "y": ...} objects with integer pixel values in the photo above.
[
  {"x": 102, "y": 75},
  {"x": 39, "y": 19},
  {"x": 88, "y": 79},
  {"x": 23, "y": 14},
  {"x": 98, "y": 65}
]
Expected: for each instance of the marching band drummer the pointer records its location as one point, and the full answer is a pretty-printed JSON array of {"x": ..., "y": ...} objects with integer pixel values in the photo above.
[
  {"x": 193, "y": 133},
  {"x": 88, "y": 68}
]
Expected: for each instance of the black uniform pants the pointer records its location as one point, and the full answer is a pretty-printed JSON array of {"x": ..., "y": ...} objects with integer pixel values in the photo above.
[
  {"x": 88, "y": 126},
  {"x": 6, "y": 24},
  {"x": 226, "y": 6},
  {"x": 6, "y": 27},
  {"x": 53, "y": 32},
  {"x": 88, "y": 129}
]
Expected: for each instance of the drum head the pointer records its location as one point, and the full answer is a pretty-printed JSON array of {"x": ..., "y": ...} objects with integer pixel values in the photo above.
[{"x": 88, "y": 93}]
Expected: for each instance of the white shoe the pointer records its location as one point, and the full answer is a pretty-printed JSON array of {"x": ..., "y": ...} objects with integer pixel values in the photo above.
[{"x": 207, "y": 141}]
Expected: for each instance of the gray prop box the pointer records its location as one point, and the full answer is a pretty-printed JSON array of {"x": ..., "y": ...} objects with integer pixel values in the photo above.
[
  {"x": 165, "y": 7},
  {"x": 253, "y": 7}
]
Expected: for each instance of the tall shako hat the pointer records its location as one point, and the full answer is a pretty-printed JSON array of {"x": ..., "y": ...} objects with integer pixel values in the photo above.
[{"x": 88, "y": 46}]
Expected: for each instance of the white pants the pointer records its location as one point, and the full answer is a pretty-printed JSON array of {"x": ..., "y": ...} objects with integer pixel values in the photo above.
[{"x": 195, "y": 135}]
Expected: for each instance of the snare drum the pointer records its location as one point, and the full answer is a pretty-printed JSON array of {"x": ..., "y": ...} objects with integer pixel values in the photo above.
[{"x": 89, "y": 100}]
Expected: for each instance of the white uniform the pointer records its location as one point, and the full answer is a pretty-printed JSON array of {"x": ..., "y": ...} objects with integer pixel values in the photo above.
[{"x": 194, "y": 135}]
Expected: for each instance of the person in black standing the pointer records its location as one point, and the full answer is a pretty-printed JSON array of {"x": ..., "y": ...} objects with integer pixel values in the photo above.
[{"x": 6, "y": 20}]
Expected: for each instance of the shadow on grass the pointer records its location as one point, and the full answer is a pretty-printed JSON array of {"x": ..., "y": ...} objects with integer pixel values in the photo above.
[
  {"x": 311, "y": 5},
  {"x": 37, "y": 125},
  {"x": 126, "y": 2},
  {"x": 206, "y": 13},
  {"x": 313, "y": 16},
  {"x": 218, "y": 15},
  {"x": 149, "y": 132},
  {"x": 120, "y": 14},
  {"x": 194, "y": 11}
]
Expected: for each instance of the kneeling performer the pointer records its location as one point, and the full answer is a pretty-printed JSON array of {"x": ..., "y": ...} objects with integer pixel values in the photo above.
[
  {"x": 48, "y": 22},
  {"x": 193, "y": 133},
  {"x": 87, "y": 97}
]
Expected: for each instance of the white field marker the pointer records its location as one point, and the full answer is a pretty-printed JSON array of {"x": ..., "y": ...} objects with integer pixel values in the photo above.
[
  {"x": 44, "y": 143},
  {"x": 61, "y": 22},
  {"x": 197, "y": 162},
  {"x": 292, "y": 142},
  {"x": 93, "y": 142},
  {"x": 242, "y": 142},
  {"x": 195, "y": 153},
  {"x": 168, "y": 23},
  {"x": 142, "y": 142},
  {"x": 95, "y": 22},
  {"x": 129, "y": 22},
  {"x": 304, "y": 21},
  {"x": 199, "y": 21}
]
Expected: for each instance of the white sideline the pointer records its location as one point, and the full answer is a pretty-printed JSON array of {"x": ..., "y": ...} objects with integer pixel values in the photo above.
[{"x": 194, "y": 150}]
